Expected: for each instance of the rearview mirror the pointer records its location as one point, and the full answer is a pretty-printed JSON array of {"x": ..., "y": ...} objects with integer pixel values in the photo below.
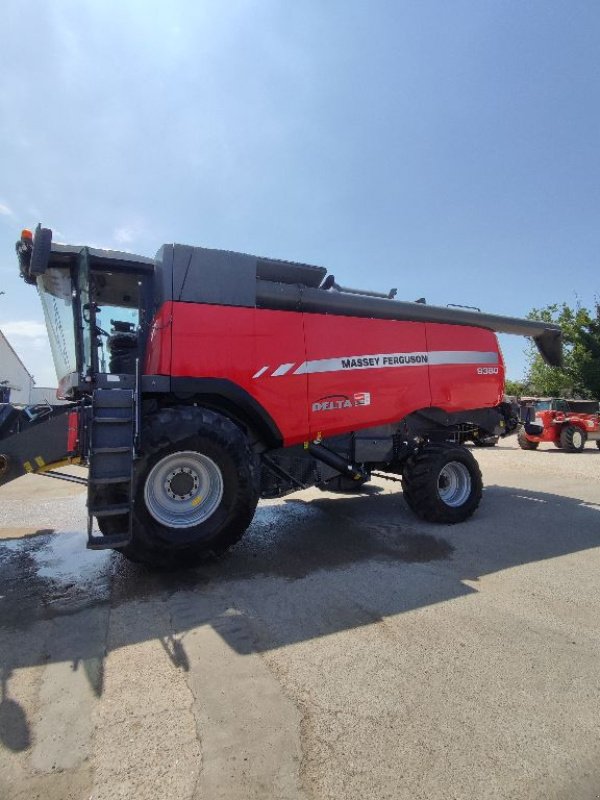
[{"x": 40, "y": 254}]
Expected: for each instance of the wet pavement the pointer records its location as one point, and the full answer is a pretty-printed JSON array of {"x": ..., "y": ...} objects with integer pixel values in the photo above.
[{"x": 343, "y": 648}]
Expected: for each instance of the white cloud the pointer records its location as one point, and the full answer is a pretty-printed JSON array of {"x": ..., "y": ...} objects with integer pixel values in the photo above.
[
  {"x": 124, "y": 235},
  {"x": 26, "y": 328},
  {"x": 6, "y": 211},
  {"x": 129, "y": 232}
]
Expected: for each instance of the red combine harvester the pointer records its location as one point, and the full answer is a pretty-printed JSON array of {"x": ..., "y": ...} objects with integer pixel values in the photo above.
[
  {"x": 203, "y": 380},
  {"x": 566, "y": 424}
]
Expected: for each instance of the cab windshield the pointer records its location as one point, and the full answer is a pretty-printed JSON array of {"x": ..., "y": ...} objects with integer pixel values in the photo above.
[
  {"x": 55, "y": 291},
  {"x": 543, "y": 405}
]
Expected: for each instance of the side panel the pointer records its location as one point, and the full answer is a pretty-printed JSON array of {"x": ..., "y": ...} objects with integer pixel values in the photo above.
[
  {"x": 466, "y": 367},
  {"x": 255, "y": 349},
  {"x": 158, "y": 348},
  {"x": 318, "y": 373},
  {"x": 363, "y": 372},
  {"x": 587, "y": 422}
]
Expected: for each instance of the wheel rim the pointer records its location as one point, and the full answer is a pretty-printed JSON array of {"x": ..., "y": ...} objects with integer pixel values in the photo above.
[
  {"x": 183, "y": 489},
  {"x": 454, "y": 484},
  {"x": 577, "y": 439}
]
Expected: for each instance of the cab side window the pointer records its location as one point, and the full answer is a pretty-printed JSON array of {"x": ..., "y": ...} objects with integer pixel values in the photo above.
[{"x": 118, "y": 302}]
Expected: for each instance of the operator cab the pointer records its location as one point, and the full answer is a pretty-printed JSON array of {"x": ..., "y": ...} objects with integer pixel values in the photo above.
[
  {"x": 97, "y": 307},
  {"x": 114, "y": 299},
  {"x": 550, "y": 404}
]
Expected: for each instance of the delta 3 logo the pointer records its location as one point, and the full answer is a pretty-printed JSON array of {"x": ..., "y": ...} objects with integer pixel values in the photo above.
[{"x": 337, "y": 402}]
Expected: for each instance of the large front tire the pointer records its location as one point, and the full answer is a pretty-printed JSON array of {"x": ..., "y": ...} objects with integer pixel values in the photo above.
[
  {"x": 524, "y": 442},
  {"x": 442, "y": 483},
  {"x": 195, "y": 487},
  {"x": 572, "y": 439}
]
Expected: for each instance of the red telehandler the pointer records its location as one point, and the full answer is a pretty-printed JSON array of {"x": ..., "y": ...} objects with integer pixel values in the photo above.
[
  {"x": 202, "y": 380},
  {"x": 567, "y": 424}
]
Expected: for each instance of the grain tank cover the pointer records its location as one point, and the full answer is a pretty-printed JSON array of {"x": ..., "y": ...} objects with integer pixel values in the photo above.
[{"x": 220, "y": 277}]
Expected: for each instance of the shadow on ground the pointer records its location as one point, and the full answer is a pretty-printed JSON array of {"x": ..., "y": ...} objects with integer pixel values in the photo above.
[{"x": 304, "y": 570}]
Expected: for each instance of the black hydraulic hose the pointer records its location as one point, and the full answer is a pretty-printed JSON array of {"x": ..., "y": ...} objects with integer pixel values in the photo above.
[{"x": 336, "y": 461}]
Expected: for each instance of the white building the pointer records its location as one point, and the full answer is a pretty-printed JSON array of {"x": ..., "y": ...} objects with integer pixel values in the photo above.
[
  {"x": 44, "y": 394},
  {"x": 15, "y": 381}
]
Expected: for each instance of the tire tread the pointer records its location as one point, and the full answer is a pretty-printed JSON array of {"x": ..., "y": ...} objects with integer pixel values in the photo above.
[
  {"x": 419, "y": 483},
  {"x": 174, "y": 426}
]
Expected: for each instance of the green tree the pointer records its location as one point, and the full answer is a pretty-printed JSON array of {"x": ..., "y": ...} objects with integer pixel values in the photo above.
[
  {"x": 589, "y": 366},
  {"x": 580, "y": 374},
  {"x": 514, "y": 388}
]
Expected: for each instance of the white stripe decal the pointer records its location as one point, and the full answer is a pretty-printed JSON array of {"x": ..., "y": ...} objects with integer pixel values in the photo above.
[
  {"x": 260, "y": 372},
  {"x": 393, "y": 360},
  {"x": 433, "y": 358},
  {"x": 282, "y": 369},
  {"x": 438, "y": 357}
]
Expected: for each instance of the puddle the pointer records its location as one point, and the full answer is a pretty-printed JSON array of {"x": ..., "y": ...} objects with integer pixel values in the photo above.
[
  {"x": 50, "y": 573},
  {"x": 64, "y": 558}
]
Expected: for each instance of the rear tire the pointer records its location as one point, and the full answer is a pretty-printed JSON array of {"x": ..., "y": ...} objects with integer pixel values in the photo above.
[
  {"x": 442, "y": 483},
  {"x": 572, "y": 439},
  {"x": 524, "y": 442},
  {"x": 195, "y": 488},
  {"x": 598, "y": 443}
]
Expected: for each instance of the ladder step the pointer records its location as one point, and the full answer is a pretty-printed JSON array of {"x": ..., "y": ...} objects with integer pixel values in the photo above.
[
  {"x": 112, "y": 420},
  {"x": 110, "y": 479},
  {"x": 113, "y": 398},
  {"x": 110, "y": 511},
  {"x": 111, "y": 456},
  {"x": 97, "y": 450},
  {"x": 108, "y": 542},
  {"x": 116, "y": 402}
]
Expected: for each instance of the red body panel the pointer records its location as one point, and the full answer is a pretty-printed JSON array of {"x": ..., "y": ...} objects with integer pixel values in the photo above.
[
  {"x": 158, "y": 352},
  {"x": 392, "y": 392},
  {"x": 328, "y": 374},
  {"x": 73, "y": 432},
  {"x": 233, "y": 343},
  {"x": 458, "y": 386}
]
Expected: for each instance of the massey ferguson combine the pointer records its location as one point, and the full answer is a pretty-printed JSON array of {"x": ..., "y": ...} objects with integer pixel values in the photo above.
[{"x": 203, "y": 380}]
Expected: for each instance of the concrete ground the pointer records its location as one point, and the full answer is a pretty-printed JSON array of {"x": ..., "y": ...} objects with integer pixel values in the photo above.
[{"x": 343, "y": 650}]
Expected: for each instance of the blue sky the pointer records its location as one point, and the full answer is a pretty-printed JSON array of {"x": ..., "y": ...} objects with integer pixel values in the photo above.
[{"x": 446, "y": 148}]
